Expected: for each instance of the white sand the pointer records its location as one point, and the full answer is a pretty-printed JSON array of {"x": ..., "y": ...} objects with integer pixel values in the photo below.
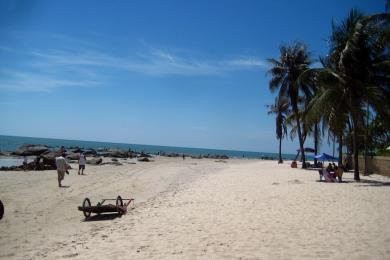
[{"x": 196, "y": 209}]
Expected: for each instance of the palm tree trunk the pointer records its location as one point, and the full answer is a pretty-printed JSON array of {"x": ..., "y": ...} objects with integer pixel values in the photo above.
[
  {"x": 280, "y": 150},
  {"x": 300, "y": 136},
  {"x": 355, "y": 149},
  {"x": 366, "y": 141},
  {"x": 349, "y": 142},
  {"x": 340, "y": 162},
  {"x": 315, "y": 142}
]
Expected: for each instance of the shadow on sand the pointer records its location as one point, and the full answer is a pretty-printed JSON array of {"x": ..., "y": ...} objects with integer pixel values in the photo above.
[
  {"x": 102, "y": 217},
  {"x": 333, "y": 182},
  {"x": 373, "y": 183}
]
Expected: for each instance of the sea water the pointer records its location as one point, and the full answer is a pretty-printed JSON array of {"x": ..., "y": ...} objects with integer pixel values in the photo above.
[{"x": 11, "y": 143}]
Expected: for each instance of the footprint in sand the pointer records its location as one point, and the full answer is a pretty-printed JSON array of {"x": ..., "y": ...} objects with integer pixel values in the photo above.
[{"x": 295, "y": 182}]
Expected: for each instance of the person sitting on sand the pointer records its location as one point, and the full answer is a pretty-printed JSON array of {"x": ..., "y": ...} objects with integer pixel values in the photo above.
[
  {"x": 82, "y": 161},
  {"x": 62, "y": 166},
  {"x": 326, "y": 174},
  {"x": 330, "y": 168}
]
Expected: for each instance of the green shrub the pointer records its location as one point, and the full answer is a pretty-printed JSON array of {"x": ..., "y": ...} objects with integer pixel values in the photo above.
[{"x": 383, "y": 153}]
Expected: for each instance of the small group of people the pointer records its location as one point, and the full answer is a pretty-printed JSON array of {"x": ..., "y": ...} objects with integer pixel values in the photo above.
[
  {"x": 63, "y": 166},
  {"x": 332, "y": 173},
  {"x": 38, "y": 162}
]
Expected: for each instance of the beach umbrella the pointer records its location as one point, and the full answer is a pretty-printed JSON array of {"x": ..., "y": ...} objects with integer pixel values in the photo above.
[{"x": 325, "y": 157}]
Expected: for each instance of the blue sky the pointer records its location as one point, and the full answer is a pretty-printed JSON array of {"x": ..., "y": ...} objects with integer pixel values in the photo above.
[{"x": 180, "y": 73}]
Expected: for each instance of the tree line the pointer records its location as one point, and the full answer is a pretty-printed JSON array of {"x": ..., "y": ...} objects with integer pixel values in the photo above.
[{"x": 347, "y": 96}]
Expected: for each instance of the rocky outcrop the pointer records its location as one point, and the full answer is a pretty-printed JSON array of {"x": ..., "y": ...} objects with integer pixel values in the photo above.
[
  {"x": 49, "y": 158},
  {"x": 145, "y": 155},
  {"x": 117, "y": 153},
  {"x": 31, "y": 149},
  {"x": 216, "y": 156},
  {"x": 77, "y": 150},
  {"x": 31, "y": 166},
  {"x": 73, "y": 156},
  {"x": 115, "y": 163},
  {"x": 95, "y": 161},
  {"x": 89, "y": 152}
]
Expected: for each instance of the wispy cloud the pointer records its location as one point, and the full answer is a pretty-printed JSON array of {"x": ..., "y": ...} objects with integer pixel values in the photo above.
[
  {"x": 21, "y": 81},
  {"x": 85, "y": 62},
  {"x": 156, "y": 62}
]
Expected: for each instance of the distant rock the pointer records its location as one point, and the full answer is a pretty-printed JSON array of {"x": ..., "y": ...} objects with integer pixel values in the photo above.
[
  {"x": 115, "y": 163},
  {"x": 144, "y": 159},
  {"x": 196, "y": 157},
  {"x": 225, "y": 157},
  {"x": 31, "y": 166},
  {"x": 49, "y": 158},
  {"x": 145, "y": 155},
  {"x": 89, "y": 152},
  {"x": 216, "y": 156},
  {"x": 173, "y": 155},
  {"x": 31, "y": 149},
  {"x": 77, "y": 150},
  {"x": 11, "y": 168},
  {"x": 95, "y": 161},
  {"x": 73, "y": 156},
  {"x": 114, "y": 159},
  {"x": 112, "y": 152}
]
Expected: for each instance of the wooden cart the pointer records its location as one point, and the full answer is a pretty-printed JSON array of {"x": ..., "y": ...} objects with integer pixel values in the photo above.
[{"x": 120, "y": 207}]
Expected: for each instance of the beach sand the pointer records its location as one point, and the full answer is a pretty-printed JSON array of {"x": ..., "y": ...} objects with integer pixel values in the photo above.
[{"x": 196, "y": 209}]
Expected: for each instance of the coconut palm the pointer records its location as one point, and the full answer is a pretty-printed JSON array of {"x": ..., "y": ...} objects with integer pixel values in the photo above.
[
  {"x": 293, "y": 60},
  {"x": 280, "y": 109},
  {"x": 356, "y": 73}
]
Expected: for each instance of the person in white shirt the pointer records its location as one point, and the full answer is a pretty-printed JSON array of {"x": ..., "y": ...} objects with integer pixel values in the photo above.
[
  {"x": 82, "y": 161},
  {"x": 62, "y": 167}
]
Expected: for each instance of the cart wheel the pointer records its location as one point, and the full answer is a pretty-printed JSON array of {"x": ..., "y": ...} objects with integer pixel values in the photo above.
[
  {"x": 119, "y": 203},
  {"x": 1, "y": 209},
  {"x": 86, "y": 204}
]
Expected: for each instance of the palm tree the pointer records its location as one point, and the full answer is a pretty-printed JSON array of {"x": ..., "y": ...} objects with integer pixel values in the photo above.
[
  {"x": 280, "y": 109},
  {"x": 285, "y": 71},
  {"x": 356, "y": 74}
]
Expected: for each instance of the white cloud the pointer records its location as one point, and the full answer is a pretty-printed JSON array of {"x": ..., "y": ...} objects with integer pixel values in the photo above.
[
  {"x": 248, "y": 62},
  {"x": 20, "y": 81},
  {"x": 84, "y": 62},
  {"x": 156, "y": 62}
]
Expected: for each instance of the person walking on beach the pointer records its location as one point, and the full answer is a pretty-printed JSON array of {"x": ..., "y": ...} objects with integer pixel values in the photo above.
[
  {"x": 25, "y": 163},
  {"x": 36, "y": 163},
  {"x": 62, "y": 167},
  {"x": 82, "y": 161}
]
